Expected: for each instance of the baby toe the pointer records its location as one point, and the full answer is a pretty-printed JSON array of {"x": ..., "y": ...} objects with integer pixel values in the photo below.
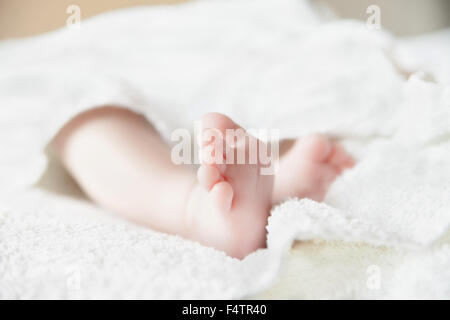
[
  {"x": 212, "y": 154},
  {"x": 208, "y": 176},
  {"x": 222, "y": 195}
]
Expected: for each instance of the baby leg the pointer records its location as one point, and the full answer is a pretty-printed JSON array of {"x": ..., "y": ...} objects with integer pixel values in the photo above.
[{"x": 121, "y": 163}]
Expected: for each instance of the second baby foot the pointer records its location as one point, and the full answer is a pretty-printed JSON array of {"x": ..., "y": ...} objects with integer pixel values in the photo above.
[{"x": 309, "y": 168}]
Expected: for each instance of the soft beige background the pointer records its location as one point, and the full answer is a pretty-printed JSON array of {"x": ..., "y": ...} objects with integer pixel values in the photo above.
[
  {"x": 20, "y": 18},
  {"x": 403, "y": 17}
]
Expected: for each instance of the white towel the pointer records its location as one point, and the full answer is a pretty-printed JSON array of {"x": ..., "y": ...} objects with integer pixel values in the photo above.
[{"x": 267, "y": 64}]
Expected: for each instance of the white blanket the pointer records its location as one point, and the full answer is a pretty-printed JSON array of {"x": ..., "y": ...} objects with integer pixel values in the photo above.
[{"x": 268, "y": 64}]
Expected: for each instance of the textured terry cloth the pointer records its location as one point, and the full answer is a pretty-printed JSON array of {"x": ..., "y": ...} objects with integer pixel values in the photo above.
[
  {"x": 428, "y": 52},
  {"x": 267, "y": 64}
]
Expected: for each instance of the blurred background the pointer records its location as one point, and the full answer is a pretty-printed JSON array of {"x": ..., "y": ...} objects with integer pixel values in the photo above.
[{"x": 21, "y": 18}]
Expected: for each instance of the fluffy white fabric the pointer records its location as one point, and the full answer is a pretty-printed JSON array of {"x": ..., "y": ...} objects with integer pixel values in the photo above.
[{"x": 268, "y": 64}]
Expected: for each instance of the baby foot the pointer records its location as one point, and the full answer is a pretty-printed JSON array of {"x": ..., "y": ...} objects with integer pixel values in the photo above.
[
  {"x": 228, "y": 209},
  {"x": 309, "y": 168}
]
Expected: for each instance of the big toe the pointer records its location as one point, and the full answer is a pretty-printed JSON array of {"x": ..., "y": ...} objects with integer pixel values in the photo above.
[{"x": 222, "y": 195}]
